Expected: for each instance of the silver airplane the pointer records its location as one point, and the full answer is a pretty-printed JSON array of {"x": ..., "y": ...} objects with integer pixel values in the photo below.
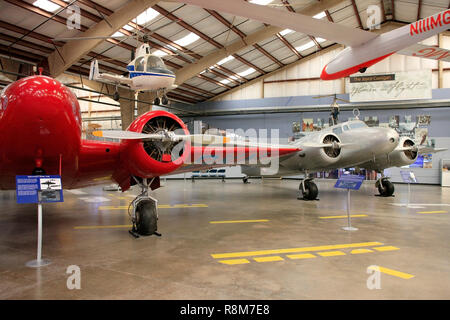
[{"x": 347, "y": 144}]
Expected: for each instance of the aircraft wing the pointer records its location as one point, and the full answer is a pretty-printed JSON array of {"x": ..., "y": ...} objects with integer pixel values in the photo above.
[
  {"x": 424, "y": 51},
  {"x": 427, "y": 149},
  {"x": 94, "y": 74},
  {"x": 285, "y": 19}
]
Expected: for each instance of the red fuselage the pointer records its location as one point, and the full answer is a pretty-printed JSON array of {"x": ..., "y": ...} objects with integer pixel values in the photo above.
[{"x": 40, "y": 127}]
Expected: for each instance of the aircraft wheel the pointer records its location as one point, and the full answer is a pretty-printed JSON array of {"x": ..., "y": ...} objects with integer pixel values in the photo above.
[
  {"x": 311, "y": 191},
  {"x": 245, "y": 179},
  {"x": 116, "y": 96},
  {"x": 164, "y": 100},
  {"x": 157, "y": 102},
  {"x": 386, "y": 188},
  {"x": 146, "y": 218}
]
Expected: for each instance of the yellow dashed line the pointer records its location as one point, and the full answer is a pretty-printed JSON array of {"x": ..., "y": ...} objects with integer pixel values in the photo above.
[
  {"x": 386, "y": 248},
  {"x": 301, "y": 256},
  {"x": 392, "y": 272},
  {"x": 294, "y": 250},
  {"x": 238, "y": 221},
  {"x": 341, "y": 217},
  {"x": 358, "y": 251},
  {"x": 268, "y": 259},
  {"x": 104, "y": 227},
  {"x": 234, "y": 261},
  {"x": 425, "y": 212},
  {"x": 331, "y": 253}
]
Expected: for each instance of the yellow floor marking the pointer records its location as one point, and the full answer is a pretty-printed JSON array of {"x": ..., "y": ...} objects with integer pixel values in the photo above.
[
  {"x": 268, "y": 259},
  {"x": 301, "y": 256},
  {"x": 234, "y": 261},
  {"x": 238, "y": 221},
  {"x": 161, "y": 206},
  {"x": 394, "y": 273},
  {"x": 386, "y": 248},
  {"x": 358, "y": 251},
  {"x": 104, "y": 227},
  {"x": 294, "y": 250},
  {"x": 432, "y": 212},
  {"x": 331, "y": 253},
  {"x": 341, "y": 217}
]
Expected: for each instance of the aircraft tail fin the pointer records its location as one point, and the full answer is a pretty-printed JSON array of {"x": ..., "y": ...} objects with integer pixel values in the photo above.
[{"x": 94, "y": 73}]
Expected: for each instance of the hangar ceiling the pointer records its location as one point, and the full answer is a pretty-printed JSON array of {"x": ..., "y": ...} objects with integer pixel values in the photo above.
[{"x": 220, "y": 51}]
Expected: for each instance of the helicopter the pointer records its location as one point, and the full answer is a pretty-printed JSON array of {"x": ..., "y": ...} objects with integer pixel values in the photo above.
[{"x": 146, "y": 72}]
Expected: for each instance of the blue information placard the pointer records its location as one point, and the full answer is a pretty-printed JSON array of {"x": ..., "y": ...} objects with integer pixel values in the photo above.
[
  {"x": 408, "y": 176},
  {"x": 348, "y": 181},
  {"x": 39, "y": 189}
]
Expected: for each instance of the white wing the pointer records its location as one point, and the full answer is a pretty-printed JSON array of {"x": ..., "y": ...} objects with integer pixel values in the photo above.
[{"x": 289, "y": 20}]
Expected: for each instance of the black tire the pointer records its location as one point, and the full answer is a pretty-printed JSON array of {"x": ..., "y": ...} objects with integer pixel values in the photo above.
[
  {"x": 157, "y": 102},
  {"x": 116, "y": 96},
  {"x": 311, "y": 191},
  {"x": 245, "y": 180},
  {"x": 386, "y": 188},
  {"x": 164, "y": 100},
  {"x": 146, "y": 218}
]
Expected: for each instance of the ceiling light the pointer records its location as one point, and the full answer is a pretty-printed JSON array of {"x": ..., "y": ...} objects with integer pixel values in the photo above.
[
  {"x": 187, "y": 40},
  {"x": 46, "y": 5}
]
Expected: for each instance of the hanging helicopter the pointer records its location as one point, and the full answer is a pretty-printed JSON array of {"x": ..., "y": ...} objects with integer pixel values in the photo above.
[{"x": 146, "y": 72}]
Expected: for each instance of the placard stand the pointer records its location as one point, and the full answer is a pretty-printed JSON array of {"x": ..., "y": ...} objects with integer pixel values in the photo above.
[
  {"x": 349, "y": 226},
  {"x": 408, "y": 177},
  {"x": 39, "y": 262}
]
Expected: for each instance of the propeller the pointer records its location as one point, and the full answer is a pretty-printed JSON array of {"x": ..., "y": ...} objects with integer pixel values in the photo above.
[{"x": 164, "y": 136}]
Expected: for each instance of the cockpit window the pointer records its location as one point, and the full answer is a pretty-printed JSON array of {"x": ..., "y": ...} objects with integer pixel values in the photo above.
[
  {"x": 356, "y": 125},
  {"x": 140, "y": 64},
  {"x": 345, "y": 127},
  {"x": 154, "y": 62},
  {"x": 337, "y": 130}
]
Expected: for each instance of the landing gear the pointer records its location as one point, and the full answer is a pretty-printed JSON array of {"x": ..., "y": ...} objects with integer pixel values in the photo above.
[
  {"x": 157, "y": 102},
  {"x": 308, "y": 189},
  {"x": 385, "y": 187},
  {"x": 245, "y": 179},
  {"x": 164, "y": 100},
  {"x": 144, "y": 215},
  {"x": 362, "y": 70}
]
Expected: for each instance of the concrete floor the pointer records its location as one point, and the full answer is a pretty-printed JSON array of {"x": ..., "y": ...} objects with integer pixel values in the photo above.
[{"x": 180, "y": 265}]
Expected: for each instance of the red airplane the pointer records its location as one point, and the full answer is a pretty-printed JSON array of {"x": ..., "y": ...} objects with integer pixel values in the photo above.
[{"x": 40, "y": 130}]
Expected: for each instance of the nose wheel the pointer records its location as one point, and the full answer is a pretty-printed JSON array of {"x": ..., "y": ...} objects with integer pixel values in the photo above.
[{"x": 144, "y": 214}]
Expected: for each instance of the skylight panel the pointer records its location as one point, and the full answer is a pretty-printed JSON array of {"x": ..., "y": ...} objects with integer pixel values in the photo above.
[
  {"x": 261, "y": 2},
  {"x": 146, "y": 16},
  {"x": 246, "y": 72},
  {"x": 160, "y": 53},
  {"x": 187, "y": 40},
  {"x": 286, "y": 31},
  {"x": 225, "y": 60},
  {"x": 320, "y": 15},
  {"x": 46, "y": 5},
  {"x": 308, "y": 45}
]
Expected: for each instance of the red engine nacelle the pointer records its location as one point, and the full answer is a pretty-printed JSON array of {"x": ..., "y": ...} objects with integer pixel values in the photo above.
[{"x": 148, "y": 159}]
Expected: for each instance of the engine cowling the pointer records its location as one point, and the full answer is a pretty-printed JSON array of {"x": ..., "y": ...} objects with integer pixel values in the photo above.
[
  {"x": 147, "y": 159},
  {"x": 321, "y": 158},
  {"x": 399, "y": 158}
]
